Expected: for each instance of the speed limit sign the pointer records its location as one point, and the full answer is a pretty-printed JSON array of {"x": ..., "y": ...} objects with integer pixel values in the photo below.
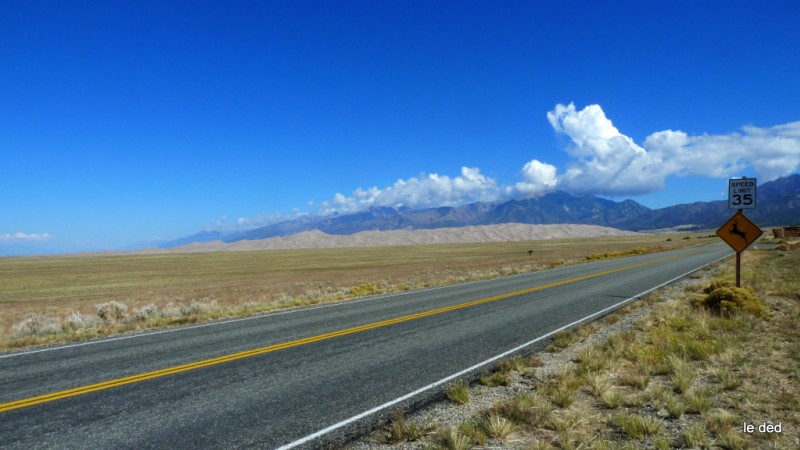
[{"x": 742, "y": 193}]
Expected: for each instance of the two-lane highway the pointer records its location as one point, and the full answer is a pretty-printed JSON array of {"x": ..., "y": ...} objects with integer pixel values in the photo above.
[{"x": 294, "y": 378}]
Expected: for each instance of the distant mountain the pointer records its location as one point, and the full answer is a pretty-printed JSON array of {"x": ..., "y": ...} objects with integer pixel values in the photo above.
[
  {"x": 203, "y": 236},
  {"x": 503, "y": 232},
  {"x": 778, "y": 203},
  {"x": 691, "y": 215},
  {"x": 553, "y": 208},
  {"x": 561, "y": 207}
]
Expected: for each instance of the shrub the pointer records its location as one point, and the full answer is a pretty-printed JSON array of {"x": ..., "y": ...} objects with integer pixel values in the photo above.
[
  {"x": 720, "y": 420},
  {"x": 458, "y": 393},
  {"x": 496, "y": 379},
  {"x": 525, "y": 409},
  {"x": 636, "y": 426},
  {"x": 694, "y": 436},
  {"x": 560, "y": 395},
  {"x": 364, "y": 289},
  {"x": 572, "y": 419},
  {"x": 147, "y": 311},
  {"x": 618, "y": 253},
  {"x": 473, "y": 430},
  {"x": 726, "y": 299},
  {"x": 173, "y": 309},
  {"x": 78, "y": 321},
  {"x": 176, "y": 309},
  {"x": 697, "y": 402},
  {"x": 716, "y": 285},
  {"x": 562, "y": 340},
  {"x": 205, "y": 306},
  {"x": 111, "y": 312},
  {"x": 726, "y": 378},
  {"x": 675, "y": 408},
  {"x": 35, "y": 325},
  {"x": 612, "y": 399},
  {"x": 683, "y": 374},
  {"x": 516, "y": 363},
  {"x": 451, "y": 439},
  {"x": 596, "y": 383},
  {"x": 729, "y": 440},
  {"x": 400, "y": 430},
  {"x": 499, "y": 427}
]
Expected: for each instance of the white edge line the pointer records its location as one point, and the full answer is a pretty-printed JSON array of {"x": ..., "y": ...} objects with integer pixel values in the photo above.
[
  {"x": 276, "y": 313},
  {"x": 391, "y": 403}
]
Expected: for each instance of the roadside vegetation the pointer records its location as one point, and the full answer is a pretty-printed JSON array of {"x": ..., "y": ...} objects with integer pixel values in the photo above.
[
  {"x": 690, "y": 371},
  {"x": 66, "y": 298}
]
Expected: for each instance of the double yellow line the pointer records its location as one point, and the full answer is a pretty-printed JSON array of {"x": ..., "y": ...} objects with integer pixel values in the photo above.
[{"x": 272, "y": 348}]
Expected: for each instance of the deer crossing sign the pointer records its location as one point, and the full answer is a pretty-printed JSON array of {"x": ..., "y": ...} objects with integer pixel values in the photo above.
[
  {"x": 742, "y": 193},
  {"x": 739, "y": 232}
]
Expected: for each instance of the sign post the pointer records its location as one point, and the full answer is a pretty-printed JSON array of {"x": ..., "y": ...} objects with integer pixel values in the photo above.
[{"x": 739, "y": 232}]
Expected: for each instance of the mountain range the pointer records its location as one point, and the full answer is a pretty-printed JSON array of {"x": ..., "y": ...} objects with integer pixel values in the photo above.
[{"x": 778, "y": 204}]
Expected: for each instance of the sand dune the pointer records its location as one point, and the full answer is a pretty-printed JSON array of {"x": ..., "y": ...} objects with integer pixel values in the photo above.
[{"x": 485, "y": 233}]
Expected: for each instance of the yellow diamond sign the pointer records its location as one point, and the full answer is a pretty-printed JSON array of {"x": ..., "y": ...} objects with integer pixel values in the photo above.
[{"x": 739, "y": 232}]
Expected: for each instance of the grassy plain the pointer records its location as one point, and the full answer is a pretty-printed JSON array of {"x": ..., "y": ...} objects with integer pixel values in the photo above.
[{"x": 57, "y": 298}]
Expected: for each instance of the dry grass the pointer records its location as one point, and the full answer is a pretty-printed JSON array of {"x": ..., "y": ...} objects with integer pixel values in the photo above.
[
  {"x": 458, "y": 393},
  {"x": 451, "y": 439},
  {"x": 40, "y": 295},
  {"x": 400, "y": 430}
]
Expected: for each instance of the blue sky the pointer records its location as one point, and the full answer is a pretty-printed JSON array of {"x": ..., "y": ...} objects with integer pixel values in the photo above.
[{"x": 126, "y": 123}]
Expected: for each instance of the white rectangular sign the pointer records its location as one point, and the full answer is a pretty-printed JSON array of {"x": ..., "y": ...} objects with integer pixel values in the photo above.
[{"x": 742, "y": 193}]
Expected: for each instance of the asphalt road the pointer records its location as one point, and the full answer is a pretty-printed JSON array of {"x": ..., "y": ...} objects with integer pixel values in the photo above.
[{"x": 276, "y": 380}]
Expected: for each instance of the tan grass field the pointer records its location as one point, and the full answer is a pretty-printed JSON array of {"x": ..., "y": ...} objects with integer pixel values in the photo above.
[{"x": 58, "y": 295}]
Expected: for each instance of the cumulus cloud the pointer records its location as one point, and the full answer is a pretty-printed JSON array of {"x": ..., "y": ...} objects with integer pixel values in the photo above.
[
  {"x": 537, "y": 177},
  {"x": 772, "y": 152},
  {"x": 419, "y": 192},
  {"x": 25, "y": 237},
  {"x": 607, "y": 162}
]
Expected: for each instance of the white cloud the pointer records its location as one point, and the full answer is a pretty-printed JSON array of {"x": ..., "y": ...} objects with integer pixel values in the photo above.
[
  {"x": 419, "y": 192},
  {"x": 248, "y": 223},
  {"x": 607, "y": 162},
  {"x": 537, "y": 177},
  {"x": 244, "y": 223},
  {"x": 772, "y": 152},
  {"x": 24, "y": 237}
]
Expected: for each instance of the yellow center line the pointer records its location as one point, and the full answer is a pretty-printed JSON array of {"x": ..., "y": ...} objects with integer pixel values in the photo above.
[{"x": 308, "y": 340}]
